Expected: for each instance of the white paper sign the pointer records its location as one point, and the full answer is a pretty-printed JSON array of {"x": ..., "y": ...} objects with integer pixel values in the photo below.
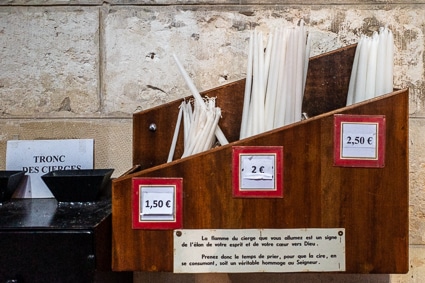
[
  {"x": 258, "y": 171},
  {"x": 259, "y": 250},
  {"x": 39, "y": 157},
  {"x": 359, "y": 140},
  {"x": 157, "y": 203}
]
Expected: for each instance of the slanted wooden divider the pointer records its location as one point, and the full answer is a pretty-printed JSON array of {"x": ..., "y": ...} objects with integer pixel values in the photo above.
[{"x": 370, "y": 203}]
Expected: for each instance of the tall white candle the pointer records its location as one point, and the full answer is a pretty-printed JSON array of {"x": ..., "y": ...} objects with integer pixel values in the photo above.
[
  {"x": 255, "y": 88},
  {"x": 299, "y": 74},
  {"x": 272, "y": 82},
  {"x": 389, "y": 69},
  {"x": 280, "y": 106},
  {"x": 371, "y": 67},
  {"x": 306, "y": 60},
  {"x": 186, "y": 120},
  {"x": 261, "y": 87},
  {"x": 267, "y": 58},
  {"x": 360, "y": 87},
  {"x": 175, "y": 135},
  {"x": 192, "y": 132},
  {"x": 248, "y": 84},
  {"x": 290, "y": 93},
  {"x": 354, "y": 77},
  {"x": 380, "y": 62}
]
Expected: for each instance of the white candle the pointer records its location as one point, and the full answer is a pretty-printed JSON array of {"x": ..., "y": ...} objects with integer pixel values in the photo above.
[
  {"x": 360, "y": 87},
  {"x": 299, "y": 73},
  {"x": 187, "y": 119},
  {"x": 380, "y": 62},
  {"x": 253, "y": 123},
  {"x": 250, "y": 118},
  {"x": 290, "y": 93},
  {"x": 389, "y": 69},
  {"x": 247, "y": 94},
  {"x": 267, "y": 59},
  {"x": 176, "y": 133},
  {"x": 272, "y": 82},
  {"x": 191, "y": 126},
  {"x": 260, "y": 125},
  {"x": 371, "y": 67},
  {"x": 280, "y": 106},
  {"x": 353, "y": 77},
  {"x": 306, "y": 61}
]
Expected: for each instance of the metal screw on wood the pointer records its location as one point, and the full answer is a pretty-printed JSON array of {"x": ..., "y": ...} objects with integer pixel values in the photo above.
[{"x": 152, "y": 127}]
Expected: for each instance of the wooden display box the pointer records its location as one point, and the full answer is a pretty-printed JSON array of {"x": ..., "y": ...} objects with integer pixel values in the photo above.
[{"x": 370, "y": 203}]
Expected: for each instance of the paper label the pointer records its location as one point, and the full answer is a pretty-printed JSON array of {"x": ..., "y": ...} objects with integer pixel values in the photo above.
[
  {"x": 359, "y": 140},
  {"x": 259, "y": 250},
  {"x": 39, "y": 157},
  {"x": 157, "y": 203}
]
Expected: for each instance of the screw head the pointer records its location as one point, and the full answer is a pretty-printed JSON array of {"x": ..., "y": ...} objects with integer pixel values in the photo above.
[{"x": 152, "y": 127}]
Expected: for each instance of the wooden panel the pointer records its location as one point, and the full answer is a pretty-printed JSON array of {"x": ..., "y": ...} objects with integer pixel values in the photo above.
[
  {"x": 371, "y": 204},
  {"x": 328, "y": 74}
]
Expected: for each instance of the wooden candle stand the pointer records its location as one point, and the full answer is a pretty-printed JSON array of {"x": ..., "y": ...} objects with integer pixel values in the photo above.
[{"x": 370, "y": 203}]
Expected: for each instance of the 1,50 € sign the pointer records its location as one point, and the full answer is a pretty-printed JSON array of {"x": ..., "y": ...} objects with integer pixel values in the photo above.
[{"x": 157, "y": 203}]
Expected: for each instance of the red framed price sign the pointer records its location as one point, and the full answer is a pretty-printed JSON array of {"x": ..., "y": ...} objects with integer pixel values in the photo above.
[
  {"x": 359, "y": 140},
  {"x": 157, "y": 203},
  {"x": 258, "y": 171}
]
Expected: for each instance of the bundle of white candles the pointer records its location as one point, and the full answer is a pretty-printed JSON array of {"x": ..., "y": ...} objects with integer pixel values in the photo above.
[
  {"x": 275, "y": 79},
  {"x": 372, "y": 72},
  {"x": 200, "y": 124}
]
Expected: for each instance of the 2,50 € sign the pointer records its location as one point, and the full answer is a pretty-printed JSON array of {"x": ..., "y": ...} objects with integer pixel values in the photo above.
[{"x": 359, "y": 140}]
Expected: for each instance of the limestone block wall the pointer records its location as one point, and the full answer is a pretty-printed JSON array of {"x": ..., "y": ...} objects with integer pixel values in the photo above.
[{"x": 79, "y": 69}]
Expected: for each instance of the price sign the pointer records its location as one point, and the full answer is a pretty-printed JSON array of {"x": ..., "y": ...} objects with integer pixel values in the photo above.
[
  {"x": 257, "y": 171},
  {"x": 157, "y": 203},
  {"x": 359, "y": 140}
]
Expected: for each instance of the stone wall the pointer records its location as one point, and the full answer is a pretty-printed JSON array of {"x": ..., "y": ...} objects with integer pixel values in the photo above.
[{"x": 79, "y": 69}]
